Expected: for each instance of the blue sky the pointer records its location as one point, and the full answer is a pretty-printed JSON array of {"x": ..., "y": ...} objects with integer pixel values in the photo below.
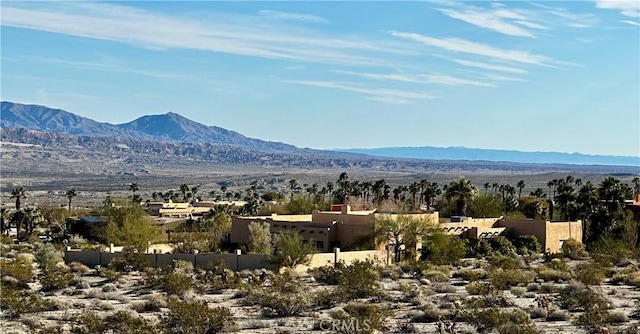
[{"x": 533, "y": 76}]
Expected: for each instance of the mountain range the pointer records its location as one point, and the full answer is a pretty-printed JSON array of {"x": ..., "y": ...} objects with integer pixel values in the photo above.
[
  {"x": 172, "y": 129},
  {"x": 169, "y": 127}
]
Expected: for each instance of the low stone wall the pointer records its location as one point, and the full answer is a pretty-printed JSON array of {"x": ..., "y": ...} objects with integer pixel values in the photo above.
[{"x": 233, "y": 261}]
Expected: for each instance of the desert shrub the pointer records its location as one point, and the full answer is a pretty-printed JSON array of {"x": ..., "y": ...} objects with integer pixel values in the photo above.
[
  {"x": 440, "y": 248},
  {"x": 108, "y": 287},
  {"x": 55, "y": 278},
  {"x": 485, "y": 320},
  {"x": 617, "y": 318},
  {"x": 479, "y": 288},
  {"x": 632, "y": 278},
  {"x": 428, "y": 315},
  {"x": 17, "y": 302},
  {"x": 328, "y": 298},
  {"x": 175, "y": 283},
  {"x": 579, "y": 298},
  {"x": 435, "y": 276},
  {"x": 590, "y": 273},
  {"x": 282, "y": 299},
  {"x": 47, "y": 255},
  {"x": 196, "y": 317},
  {"x": 548, "y": 288},
  {"x": 20, "y": 268},
  {"x": 527, "y": 245},
  {"x": 129, "y": 262},
  {"x": 538, "y": 313},
  {"x": 358, "y": 280},
  {"x": 472, "y": 275},
  {"x": 444, "y": 288},
  {"x": 553, "y": 275},
  {"x": 558, "y": 315},
  {"x": 609, "y": 252},
  {"x": 478, "y": 248},
  {"x": 108, "y": 273},
  {"x": 533, "y": 287},
  {"x": 528, "y": 328},
  {"x": 502, "y": 279},
  {"x": 556, "y": 264},
  {"x": 518, "y": 291},
  {"x": 502, "y": 245},
  {"x": 361, "y": 318},
  {"x": 183, "y": 266},
  {"x": 290, "y": 250},
  {"x": 121, "y": 322},
  {"x": 503, "y": 262},
  {"x": 573, "y": 249},
  {"x": 78, "y": 268}
]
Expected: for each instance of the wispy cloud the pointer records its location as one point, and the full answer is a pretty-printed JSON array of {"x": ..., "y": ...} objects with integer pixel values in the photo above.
[
  {"x": 630, "y": 8},
  {"x": 378, "y": 94},
  {"x": 420, "y": 78},
  {"x": 222, "y": 34},
  {"x": 504, "y": 21},
  {"x": 292, "y": 16},
  {"x": 633, "y": 23},
  {"x": 562, "y": 17},
  {"x": 486, "y": 66},
  {"x": 465, "y": 46},
  {"x": 112, "y": 68}
]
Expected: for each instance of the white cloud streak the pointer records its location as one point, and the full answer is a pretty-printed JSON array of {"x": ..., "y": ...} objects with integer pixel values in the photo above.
[
  {"x": 464, "y": 46},
  {"x": 496, "y": 20},
  {"x": 386, "y": 95},
  {"x": 223, "y": 34},
  {"x": 441, "y": 79},
  {"x": 629, "y": 8},
  {"x": 292, "y": 16},
  {"x": 486, "y": 66}
]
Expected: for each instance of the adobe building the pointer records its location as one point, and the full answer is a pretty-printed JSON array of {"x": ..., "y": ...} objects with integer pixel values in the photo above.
[
  {"x": 341, "y": 228},
  {"x": 550, "y": 234}
]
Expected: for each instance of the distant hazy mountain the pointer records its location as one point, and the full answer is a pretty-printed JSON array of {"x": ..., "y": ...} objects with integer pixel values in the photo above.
[
  {"x": 463, "y": 153},
  {"x": 169, "y": 127}
]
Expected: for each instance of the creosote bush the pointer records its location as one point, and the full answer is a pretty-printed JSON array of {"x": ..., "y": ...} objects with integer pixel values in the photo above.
[
  {"x": 195, "y": 316},
  {"x": 503, "y": 279},
  {"x": 361, "y": 318},
  {"x": 17, "y": 302},
  {"x": 573, "y": 249}
]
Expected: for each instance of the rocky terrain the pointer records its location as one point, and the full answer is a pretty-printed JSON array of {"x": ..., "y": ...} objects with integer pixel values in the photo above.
[{"x": 552, "y": 296}]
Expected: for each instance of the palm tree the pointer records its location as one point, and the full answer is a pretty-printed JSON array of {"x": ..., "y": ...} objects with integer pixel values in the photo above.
[
  {"x": 636, "y": 185},
  {"x": 520, "y": 185},
  {"x": 212, "y": 194},
  {"x": 18, "y": 193},
  {"x": 194, "y": 191},
  {"x": 461, "y": 191},
  {"x": 71, "y": 193},
  {"x": 539, "y": 193},
  {"x": 329, "y": 187},
  {"x": 414, "y": 189},
  {"x": 134, "y": 187},
  {"x": 486, "y": 188},
  {"x": 184, "y": 189},
  {"x": 566, "y": 197}
]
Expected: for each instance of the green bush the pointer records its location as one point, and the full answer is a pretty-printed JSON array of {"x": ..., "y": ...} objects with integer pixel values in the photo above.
[
  {"x": 361, "y": 318},
  {"x": 20, "y": 268},
  {"x": 55, "y": 278},
  {"x": 17, "y": 302},
  {"x": 196, "y": 317},
  {"x": 590, "y": 273},
  {"x": 502, "y": 245},
  {"x": 290, "y": 250},
  {"x": 358, "y": 280},
  {"x": 472, "y": 275},
  {"x": 553, "y": 275},
  {"x": 573, "y": 249},
  {"x": 503, "y": 262},
  {"x": 527, "y": 245},
  {"x": 479, "y": 288},
  {"x": 502, "y": 279},
  {"x": 558, "y": 315},
  {"x": 439, "y": 248},
  {"x": 175, "y": 283},
  {"x": 121, "y": 322},
  {"x": 129, "y": 262},
  {"x": 485, "y": 320}
]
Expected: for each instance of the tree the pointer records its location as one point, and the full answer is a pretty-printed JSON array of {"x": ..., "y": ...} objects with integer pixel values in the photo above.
[
  {"x": 485, "y": 206},
  {"x": 260, "y": 238},
  {"x": 400, "y": 230},
  {"x": 566, "y": 198},
  {"x": 184, "y": 189},
  {"x": 30, "y": 218},
  {"x": 194, "y": 191},
  {"x": 129, "y": 226},
  {"x": 440, "y": 248},
  {"x": 18, "y": 193},
  {"x": 293, "y": 186},
  {"x": 134, "y": 187},
  {"x": 520, "y": 185},
  {"x": 71, "y": 193},
  {"x": 291, "y": 250},
  {"x": 461, "y": 191},
  {"x": 5, "y": 217}
]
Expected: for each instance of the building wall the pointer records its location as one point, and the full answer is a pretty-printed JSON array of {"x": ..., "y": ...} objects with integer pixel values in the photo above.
[{"x": 549, "y": 234}]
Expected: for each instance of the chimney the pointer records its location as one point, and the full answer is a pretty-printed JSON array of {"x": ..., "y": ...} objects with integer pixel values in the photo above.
[
  {"x": 637, "y": 198},
  {"x": 345, "y": 209}
]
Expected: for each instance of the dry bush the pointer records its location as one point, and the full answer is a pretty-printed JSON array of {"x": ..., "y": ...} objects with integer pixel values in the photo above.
[
  {"x": 502, "y": 279},
  {"x": 471, "y": 274}
]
